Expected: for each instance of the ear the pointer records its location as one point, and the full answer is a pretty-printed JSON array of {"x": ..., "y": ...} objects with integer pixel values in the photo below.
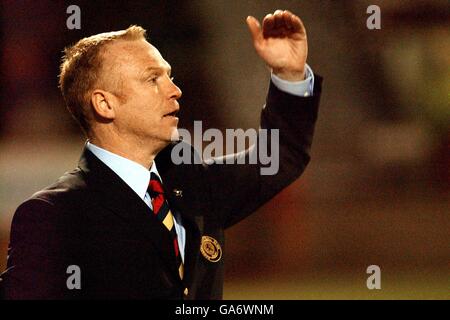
[{"x": 103, "y": 104}]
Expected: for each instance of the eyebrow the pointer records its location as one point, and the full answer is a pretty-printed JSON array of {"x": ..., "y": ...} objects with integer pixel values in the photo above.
[{"x": 150, "y": 70}]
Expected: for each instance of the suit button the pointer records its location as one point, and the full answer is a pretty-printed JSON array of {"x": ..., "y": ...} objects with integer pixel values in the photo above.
[
  {"x": 186, "y": 291},
  {"x": 178, "y": 193}
]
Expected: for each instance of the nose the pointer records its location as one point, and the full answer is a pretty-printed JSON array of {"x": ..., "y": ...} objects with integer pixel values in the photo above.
[{"x": 175, "y": 92}]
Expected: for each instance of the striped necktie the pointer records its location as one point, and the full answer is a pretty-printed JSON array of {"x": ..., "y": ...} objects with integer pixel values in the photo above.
[{"x": 162, "y": 213}]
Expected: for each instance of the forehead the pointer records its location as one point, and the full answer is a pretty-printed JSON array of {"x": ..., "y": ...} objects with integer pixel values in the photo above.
[{"x": 138, "y": 55}]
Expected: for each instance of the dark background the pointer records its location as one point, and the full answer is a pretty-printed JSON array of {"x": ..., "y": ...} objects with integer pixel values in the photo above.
[{"x": 377, "y": 189}]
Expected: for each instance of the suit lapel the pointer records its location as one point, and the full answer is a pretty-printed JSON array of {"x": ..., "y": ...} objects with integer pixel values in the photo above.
[{"x": 113, "y": 193}]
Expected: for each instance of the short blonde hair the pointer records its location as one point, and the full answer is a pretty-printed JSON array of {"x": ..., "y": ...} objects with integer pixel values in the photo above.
[{"x": 81, "y": 67}]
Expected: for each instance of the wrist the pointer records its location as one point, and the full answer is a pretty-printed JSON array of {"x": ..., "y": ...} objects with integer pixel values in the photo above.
[{"x": 289, "y": 75}]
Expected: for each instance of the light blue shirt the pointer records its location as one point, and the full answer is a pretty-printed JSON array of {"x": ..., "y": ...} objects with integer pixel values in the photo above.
[
  {"x": 304, "y": 88},
  {"x": 137, "y": 177}
]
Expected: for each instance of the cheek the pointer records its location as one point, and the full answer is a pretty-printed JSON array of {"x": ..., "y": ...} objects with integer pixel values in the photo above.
[
  {"x": 142, "y": 113},
  {"x": 150, "y": 103},
  {"x": 132, "y": 117}
]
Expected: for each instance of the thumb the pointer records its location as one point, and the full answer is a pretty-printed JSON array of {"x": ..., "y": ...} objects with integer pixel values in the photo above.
[{"x": 254, "y": 27}]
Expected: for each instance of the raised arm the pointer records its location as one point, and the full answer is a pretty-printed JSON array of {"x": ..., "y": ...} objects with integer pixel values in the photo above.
[{"x": 239, "y": 189}]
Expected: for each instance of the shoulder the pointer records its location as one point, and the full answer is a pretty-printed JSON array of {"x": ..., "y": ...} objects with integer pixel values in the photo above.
[
  {"x": 71, "y": 184},
  {"x": 67, "y": 191},
  {"x": 53, "y": 205}
]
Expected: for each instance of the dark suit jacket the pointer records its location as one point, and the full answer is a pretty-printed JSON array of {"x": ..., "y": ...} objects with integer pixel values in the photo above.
[{"x": 90, "y": 218}]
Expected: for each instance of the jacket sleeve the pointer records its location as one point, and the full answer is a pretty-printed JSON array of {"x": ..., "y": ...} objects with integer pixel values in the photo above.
[
  {"x": 37, "y": 263},
  {"x": 239, "y": 189}
]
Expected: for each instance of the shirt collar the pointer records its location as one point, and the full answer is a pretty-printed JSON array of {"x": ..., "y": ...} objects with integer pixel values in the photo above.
[{"x": 136, "y": 176}]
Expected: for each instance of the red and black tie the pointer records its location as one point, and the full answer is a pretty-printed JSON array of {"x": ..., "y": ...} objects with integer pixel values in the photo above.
[{"x": 162, "y": 212}]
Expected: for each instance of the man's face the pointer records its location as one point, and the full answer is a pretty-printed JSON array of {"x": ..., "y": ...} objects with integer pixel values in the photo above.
[{"x": 148, "y": 104}]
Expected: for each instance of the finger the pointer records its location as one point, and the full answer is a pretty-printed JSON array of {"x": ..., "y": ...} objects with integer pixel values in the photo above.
[
  {"x": 278, "y": 16},
  {"x": 297, "y": 24},
  {"x": 268, "y": 25},
  {"x": 278, "y": 12},
  {"x": 287, "y": 15},
  {"x": 273, "y": 26},
  {"x": 285, "y": 26},
  {"x": 254, "y": 27}
]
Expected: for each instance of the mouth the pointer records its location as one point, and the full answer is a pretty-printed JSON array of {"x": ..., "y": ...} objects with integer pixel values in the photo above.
[{"x": 171, "y": 114}]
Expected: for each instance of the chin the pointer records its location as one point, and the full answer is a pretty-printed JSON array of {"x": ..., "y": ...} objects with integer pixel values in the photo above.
[{"x": 174, "y": 135}]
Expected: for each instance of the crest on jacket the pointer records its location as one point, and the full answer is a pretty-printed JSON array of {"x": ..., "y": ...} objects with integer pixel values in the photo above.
[{"x": 211, "y": 249}]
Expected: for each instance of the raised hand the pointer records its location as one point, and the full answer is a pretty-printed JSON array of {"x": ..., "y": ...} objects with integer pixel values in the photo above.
[{"x": 281, "y": 43}]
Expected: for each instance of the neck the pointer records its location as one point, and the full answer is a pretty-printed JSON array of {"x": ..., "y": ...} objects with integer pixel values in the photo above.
[{"x": 141, "y": 152}]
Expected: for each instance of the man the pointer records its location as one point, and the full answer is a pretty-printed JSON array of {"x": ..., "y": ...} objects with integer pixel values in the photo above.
[{"x": 128, "y": 222}]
